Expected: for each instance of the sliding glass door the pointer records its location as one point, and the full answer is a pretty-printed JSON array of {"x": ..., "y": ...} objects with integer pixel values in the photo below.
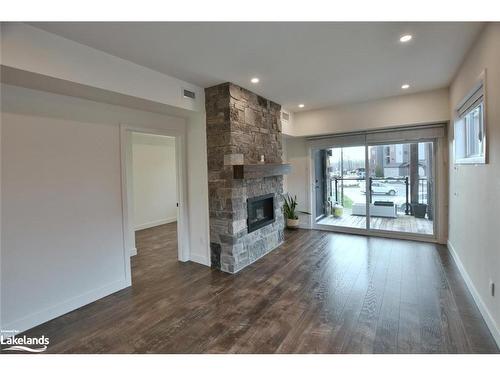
[{"x": 386, "y": 188}]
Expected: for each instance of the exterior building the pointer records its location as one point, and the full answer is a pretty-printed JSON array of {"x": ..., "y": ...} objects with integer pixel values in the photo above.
[{"x": 394, "y": 160}]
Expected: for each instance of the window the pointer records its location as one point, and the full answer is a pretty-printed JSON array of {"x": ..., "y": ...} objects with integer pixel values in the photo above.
[{"x": 470, "y": 137}]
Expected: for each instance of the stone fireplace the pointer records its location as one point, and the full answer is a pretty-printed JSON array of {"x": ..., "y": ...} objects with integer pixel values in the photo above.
[{"x": 245, "y": 202}]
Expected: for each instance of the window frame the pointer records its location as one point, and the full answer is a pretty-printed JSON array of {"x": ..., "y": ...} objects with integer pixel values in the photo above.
[{"x": 462, "y": 128}]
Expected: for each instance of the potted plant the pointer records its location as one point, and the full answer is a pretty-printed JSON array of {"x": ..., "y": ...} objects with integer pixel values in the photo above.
[
  {"x": 290, "y": 212},
  {"x": 334, "y": 208},
  {"x": 337, "y": 209},
  {"x": 419, "y": 210}
]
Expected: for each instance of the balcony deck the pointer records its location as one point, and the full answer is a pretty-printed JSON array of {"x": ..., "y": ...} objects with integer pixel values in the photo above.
[{"x": 403, "y": 223}]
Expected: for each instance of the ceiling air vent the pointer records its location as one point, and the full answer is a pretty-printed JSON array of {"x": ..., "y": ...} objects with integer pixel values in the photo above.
[{"x": 188, "y": 94}]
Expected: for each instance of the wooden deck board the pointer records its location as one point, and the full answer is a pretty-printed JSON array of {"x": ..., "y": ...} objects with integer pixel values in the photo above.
[{"x": 403, "y": 223}]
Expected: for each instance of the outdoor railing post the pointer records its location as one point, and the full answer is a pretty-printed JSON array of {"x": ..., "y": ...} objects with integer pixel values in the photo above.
[
  {"x": 342, "y": 192},
  {"x": 407, "y": 212},
  {"x": 336, "y": 190},
  {"x": 420, "y": 190},
  {"x": 370, "y": 189}
]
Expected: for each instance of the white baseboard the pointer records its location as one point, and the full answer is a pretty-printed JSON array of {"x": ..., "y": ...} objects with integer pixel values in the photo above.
[
  {"x": 155, "y": 223},
  {"x": 39, "y": 317},
  {"x": 490, "y": 322},
  {"x": 133, "y": 251}
]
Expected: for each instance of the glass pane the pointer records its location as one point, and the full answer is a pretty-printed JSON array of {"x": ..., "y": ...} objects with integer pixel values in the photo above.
[
  {"x": 474, "y": 132},
  {"x": 345, "y": 187},
  {"x": 401, "y": 180}
]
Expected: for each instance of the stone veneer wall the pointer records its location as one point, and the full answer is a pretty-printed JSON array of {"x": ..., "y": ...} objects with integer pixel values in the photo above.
[{"x": 241, "y": 122}]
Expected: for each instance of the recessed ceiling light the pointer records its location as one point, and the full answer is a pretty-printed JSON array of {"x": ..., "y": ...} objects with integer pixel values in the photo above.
[
  {"x": 405, "y": 38},
  {"x": 301, "y": 105},
  {"x": 405, "y": 86},
  {"x": 254, "y": 80}
]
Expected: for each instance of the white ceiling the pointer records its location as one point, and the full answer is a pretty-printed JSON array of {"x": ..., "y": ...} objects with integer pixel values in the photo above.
[{"x": 318, "y": 64}]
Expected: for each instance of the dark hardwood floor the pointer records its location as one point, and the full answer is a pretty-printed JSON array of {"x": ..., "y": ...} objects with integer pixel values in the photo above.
[{"x": 320, "y": 292}]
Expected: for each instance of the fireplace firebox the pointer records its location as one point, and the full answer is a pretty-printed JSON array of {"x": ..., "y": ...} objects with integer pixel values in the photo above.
[{"x": 260, "y": 212}]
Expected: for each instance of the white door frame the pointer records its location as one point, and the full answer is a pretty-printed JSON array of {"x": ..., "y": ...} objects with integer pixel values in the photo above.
[{"x": 127, "y": 192}]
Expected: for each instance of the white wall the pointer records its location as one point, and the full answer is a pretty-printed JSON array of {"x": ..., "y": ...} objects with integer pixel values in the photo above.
[
  {"x": 62, "y": 238},
  {"x": 62, "y": 235},
  {"x": 38, "y": 60},
  {"x": 197, "y": 174},
  {"x": 154, "y": 180},
  {"x": 37, "y": 51},
  {"x": 409, "y": 109},
  {"x": 296, "y": 183},
  {"x": 475, "y": 190}
]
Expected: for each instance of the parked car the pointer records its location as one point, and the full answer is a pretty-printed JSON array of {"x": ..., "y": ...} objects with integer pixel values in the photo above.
[{"x": 380, "y": 188}]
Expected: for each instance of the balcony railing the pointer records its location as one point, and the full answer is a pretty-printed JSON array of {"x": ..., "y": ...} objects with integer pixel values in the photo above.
[{"x": 424, "y": 186}]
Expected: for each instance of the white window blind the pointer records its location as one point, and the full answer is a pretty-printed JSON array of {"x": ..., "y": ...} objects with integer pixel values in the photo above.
[
  {"x": 341, "y": 140},
  {"x": 471, "y": 101},
  {"x": 400, "y": 134},
  {"x": 408, "y": 134}
]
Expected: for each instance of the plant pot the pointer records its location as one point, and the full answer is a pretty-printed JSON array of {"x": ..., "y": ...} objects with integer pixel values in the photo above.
[
  {"x": 337, "y": 210},
  {"x": 419, "y": 210},
  {"x": 292, "y": 223}
]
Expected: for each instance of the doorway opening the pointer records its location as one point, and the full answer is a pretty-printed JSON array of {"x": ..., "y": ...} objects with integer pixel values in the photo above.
[
  {"x": 377, "y": 188},
  {"x": 154, "y": 190},
  {"x": 154, "y": 209}
]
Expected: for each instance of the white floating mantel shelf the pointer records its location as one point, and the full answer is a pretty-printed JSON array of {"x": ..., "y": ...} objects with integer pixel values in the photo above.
[{"x": 247, "y": 171}]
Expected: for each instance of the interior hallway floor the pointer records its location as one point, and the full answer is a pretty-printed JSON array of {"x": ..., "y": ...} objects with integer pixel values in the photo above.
[{"x": 320, "y": 292}]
